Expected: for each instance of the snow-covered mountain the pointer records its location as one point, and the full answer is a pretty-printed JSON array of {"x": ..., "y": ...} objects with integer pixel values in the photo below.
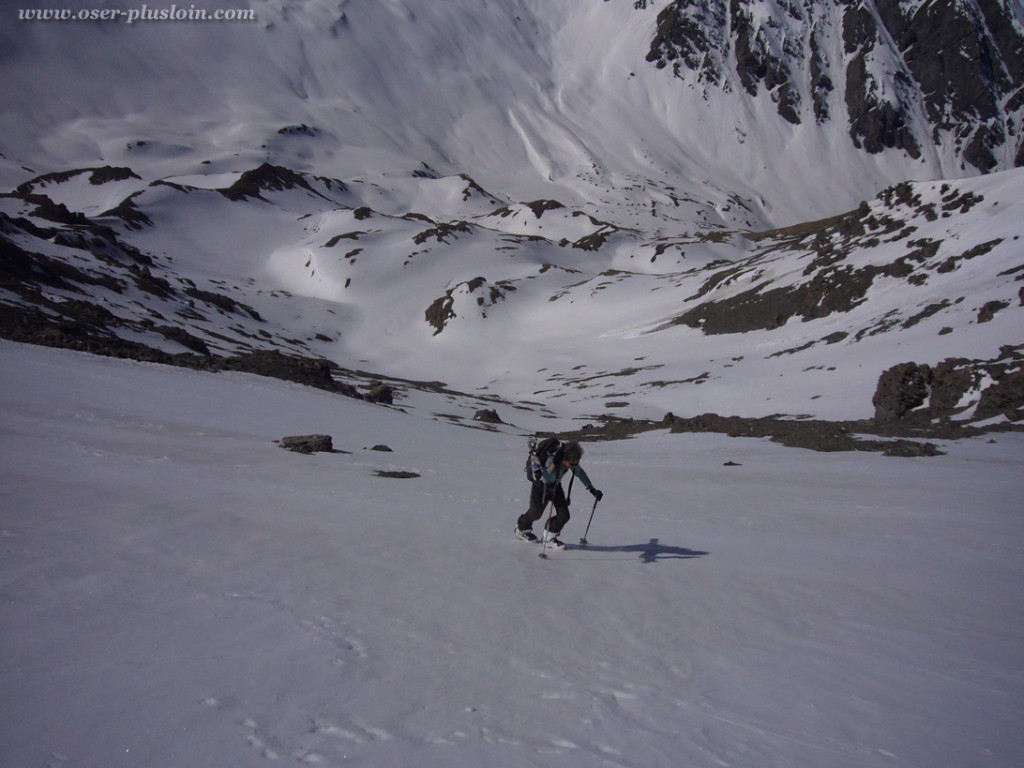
[
  {"x": 597, "y": 218},
  {"x": 941, "y": 80},
  {"x": 535, "y": 306},
  {"x": 619, "y": 105},
  {"x": 573, "y": 209}
]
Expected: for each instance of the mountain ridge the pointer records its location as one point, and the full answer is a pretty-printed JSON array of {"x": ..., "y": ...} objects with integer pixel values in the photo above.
[
  {"x": 920, "y": 266},
  {"x": 538, "y": 100}
]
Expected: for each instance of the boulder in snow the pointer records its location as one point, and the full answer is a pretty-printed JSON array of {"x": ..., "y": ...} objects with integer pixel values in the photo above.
[{"x": 308, "y": 443}]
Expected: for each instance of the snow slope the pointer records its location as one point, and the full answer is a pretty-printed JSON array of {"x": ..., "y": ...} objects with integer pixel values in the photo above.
[
  {"x": 532, "y": 303},
  {"x": 176, "y": 590}
]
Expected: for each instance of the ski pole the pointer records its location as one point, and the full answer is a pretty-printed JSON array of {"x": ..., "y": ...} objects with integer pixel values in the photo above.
[
  {"x": 544, "y": 544},
  {"x": 544, "y": 548},
  {"x": 583, "y": 541}
]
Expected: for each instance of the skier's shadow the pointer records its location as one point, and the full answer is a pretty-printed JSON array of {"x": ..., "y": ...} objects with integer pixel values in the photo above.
[{"x": 651, "y": 552}]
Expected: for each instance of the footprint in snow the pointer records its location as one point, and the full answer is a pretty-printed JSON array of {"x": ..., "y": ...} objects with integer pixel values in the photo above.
[{"x": 254, "y": 740}]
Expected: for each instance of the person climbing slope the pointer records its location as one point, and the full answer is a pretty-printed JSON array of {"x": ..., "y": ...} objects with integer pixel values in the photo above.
[{"x": 548, "y": 463}]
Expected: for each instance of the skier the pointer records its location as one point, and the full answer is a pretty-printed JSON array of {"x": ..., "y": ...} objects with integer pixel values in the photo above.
[{"x": 548, "y": 488}]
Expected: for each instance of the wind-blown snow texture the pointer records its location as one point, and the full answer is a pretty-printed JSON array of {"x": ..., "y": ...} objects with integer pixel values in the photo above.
[
  {"x": 177, "y": 590},
  {"x": 555, "y": 210}
]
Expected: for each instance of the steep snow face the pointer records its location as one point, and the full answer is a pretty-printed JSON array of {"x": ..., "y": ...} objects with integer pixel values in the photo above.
[
  {"x": 939, "y": 82},
  {"x": 556, "y": 99}
]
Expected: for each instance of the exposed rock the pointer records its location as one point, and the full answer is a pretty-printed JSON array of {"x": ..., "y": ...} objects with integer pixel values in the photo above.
[
  {"x": 400, "y": 474},
  {"x": 691, "y": 35},
  {"x": 961, "y": 63},
  {"x": 875, "y": 124},
  {"x": 821, "y": 83},
  {"x": 910, "y": 392},
  {"x": 266, "y": 178},
  {"x": 97, "y": 176},
  {"x": 1005, "y": 396},
  {"x": 443, "y": 231},
  {"x": 183, "y": 337},
  {"x": 829, "y": 290},
  {"x": 965, "y": 64},
  {"x": 948, "y": 382},
  {"x": 127, "y": 212},
  {"x": 901, "y": 389},
  {"x": 308, "y": 443},
  {"x": 299, "y": 130},
  {"x": 221, "y": 302},
  {"x": 481, "y": 293},
  {"x": 312, "y": 372},
  {"x": 539, "y": 207},
  {"x": 757, "y": 62},
  {"x": 814, "y": 434},
  {"x": 440, "y": 312},
  {"x": 488, "y": 415},
  {"x": 987, "y": 312},
  {"x": 877, "y": 121},
  {"x": 908, "y": 438},
  {"x": 380, "y": 393}
]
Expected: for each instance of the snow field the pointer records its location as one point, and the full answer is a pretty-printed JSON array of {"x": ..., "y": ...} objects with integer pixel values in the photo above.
[{"x": 177, "y": 590}]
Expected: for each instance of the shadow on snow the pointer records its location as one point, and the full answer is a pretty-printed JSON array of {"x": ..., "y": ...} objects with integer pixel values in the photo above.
[{"x": 651, "y": 552}]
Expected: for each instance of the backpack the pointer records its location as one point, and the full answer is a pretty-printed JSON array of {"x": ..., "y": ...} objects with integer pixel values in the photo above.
[{"x": 538, "y": 456}]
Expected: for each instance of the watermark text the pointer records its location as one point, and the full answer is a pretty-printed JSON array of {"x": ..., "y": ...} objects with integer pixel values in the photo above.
[{"x": 139, "y": 14}]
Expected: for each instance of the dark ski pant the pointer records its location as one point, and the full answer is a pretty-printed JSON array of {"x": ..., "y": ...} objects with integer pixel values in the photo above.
[{"x": 540, "y": 496}]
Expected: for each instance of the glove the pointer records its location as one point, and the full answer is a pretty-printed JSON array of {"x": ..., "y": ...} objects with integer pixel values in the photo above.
[{"x": 597, "y": 494}]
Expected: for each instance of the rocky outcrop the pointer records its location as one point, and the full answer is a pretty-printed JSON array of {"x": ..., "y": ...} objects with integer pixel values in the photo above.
[
  {"x": 691, "y": 35},
  {"x": 965, "y": 58},
  {"x": 758, "y": 63},
  {"x": 828, "y": 284},
  {"x": 488, "y": 416},
  {"x": 380, "y": 393},
  {"x": 965, "y": 390},
  {"x": 478, "y": 293},
  {"x": 266, "y": 178},
  {"x": 813, "y": 434},
  {"x": 880, "y": 117},
  {"x": 901, "y": 390},
  {"x": 313, "y": 372},
  {"x": 958, "y": 66}
]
